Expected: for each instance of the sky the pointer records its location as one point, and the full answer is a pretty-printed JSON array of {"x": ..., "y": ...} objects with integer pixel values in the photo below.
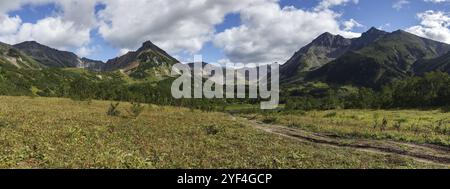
[{"x": 222, "y": 31}]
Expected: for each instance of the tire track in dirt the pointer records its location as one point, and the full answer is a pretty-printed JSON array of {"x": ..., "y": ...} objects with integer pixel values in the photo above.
[{"x": 422, "y": 153}]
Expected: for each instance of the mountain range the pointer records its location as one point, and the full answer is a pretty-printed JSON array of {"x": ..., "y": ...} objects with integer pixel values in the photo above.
[
  {"x": 148, "y": 62},
  {"x": 324, "y": 49},
  {"x": 372, "y": 60}
]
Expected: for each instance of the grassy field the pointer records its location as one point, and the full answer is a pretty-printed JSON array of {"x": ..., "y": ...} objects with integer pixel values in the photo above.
[
  {"x": 61, "y": 133},
  {"x": 416, "y": 126}
]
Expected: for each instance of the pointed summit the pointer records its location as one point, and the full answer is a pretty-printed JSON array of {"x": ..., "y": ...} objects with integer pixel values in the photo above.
[
  {"x": 368, "y": 37},
  {"x": 148, "y": 62},
  {"x": 328, "y": 39},
  {"x": 374, "y": 31},
  {"x": 326, "y": 34},
  {"x": 320, "y": 51},
  {"x": 149, "y": 45}
]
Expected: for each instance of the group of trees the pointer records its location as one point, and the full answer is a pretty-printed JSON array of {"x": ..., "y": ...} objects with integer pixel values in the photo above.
[
  {"x": 430, "y": 90},
  {"x": 145, "y": 92}
]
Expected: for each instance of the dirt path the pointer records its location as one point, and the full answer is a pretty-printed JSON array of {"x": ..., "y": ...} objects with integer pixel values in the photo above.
[{"x": 423, "y": 153}]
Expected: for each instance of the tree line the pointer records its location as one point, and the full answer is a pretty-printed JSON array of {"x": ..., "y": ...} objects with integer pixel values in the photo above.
[{"x": 429, "y": 91}]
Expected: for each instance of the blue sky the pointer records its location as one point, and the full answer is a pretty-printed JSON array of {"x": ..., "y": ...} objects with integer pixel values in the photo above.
[{"x": 237, "y": 32}]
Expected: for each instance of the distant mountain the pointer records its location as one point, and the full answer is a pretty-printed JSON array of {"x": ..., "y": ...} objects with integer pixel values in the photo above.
[
  {"x": 368, "y": 37},
  {"x": 12, "y": 56},
  {"x": 441, "y": 63},
  {"x": 390, "y": 57},
  {"x": 94, "y": 65},
  {"x": 374, "y": 59},
  {"x": 49, "y": 57},
  {"x": 324, "y": 49},
  {"x": 147, "y": 61}
]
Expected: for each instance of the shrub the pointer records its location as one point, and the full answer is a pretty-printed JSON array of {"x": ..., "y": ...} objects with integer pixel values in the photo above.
[
  {"x": 113, "y": 110},
  {"x": 398, "y": 126},
  {"x": 331, "y": 114},
  {"x": 3, "y": 123},
  {"x": 375, "y": 120},
  {"x": 269, "y": 119},
  {"x": 136, "y": 109},
  {"x": 445, "y": 109},
  {"x": 212, "y": 130},
  {"x": 384, "y": 125},
  {"x": 415, "y": 128},
  {"x": 441, "y": 128},
  {"x": 81, "y": 89}
]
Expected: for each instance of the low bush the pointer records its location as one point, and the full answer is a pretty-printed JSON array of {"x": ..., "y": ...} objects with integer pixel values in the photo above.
[{"x": 113, "y": 109}]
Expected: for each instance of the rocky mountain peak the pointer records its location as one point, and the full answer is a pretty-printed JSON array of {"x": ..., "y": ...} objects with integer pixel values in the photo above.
[
  {"x": 329, "y": 40},
  {"x": 374, "y": 32},
  {"x": 148, "y": 45},
  {"x": 48, "y": 56}
]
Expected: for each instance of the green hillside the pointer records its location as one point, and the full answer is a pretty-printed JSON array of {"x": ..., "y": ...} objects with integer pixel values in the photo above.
[
  {"x": 11, "y": 56},
  {"x": 441, "y": 63},
  {"x": 381, "y": 62}
]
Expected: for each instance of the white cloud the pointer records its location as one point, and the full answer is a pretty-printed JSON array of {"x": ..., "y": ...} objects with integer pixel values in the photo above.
[
  {"x": 437, "y": 1},
  {"x": 384, "y": 26},
  {"x": 86, "y": 50},
  {"x": 326, "y": 4},
  {"x": 51, "y": 31},
  {"x": 124, "y": 51},
  {"x": 399, "y": 4},
  {"x": 350, "y": 24},
  {"x": 270, "y": 33},
  {"x": 81, "y": 13},
  {"x": 434, "y": 25},
  {"x": 176, "y": 26},
  {"x": 9, "y": 25},
  {"x": 66, "y": 29}
]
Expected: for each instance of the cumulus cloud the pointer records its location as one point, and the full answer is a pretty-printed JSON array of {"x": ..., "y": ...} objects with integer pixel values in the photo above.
[
  {"x": 327, "y": 4},
  {"x": 434, "y": 25},
  {"x": 350, "y": 24},
  {"x": 80, "y": 12},
  {"x": 51, "y": 31},
  {"x": 85, "y": 51},
  {"x": 66, "y": 29},
  {"x": 9, "y": 25},
  {"x": 176, "y": 25},
  {"x": 270, "y": 33}
]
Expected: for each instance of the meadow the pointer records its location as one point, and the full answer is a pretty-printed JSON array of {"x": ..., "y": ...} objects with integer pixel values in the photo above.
[
  {"x": 62, "y": 133},
  {"x": 415, "y": 126}
]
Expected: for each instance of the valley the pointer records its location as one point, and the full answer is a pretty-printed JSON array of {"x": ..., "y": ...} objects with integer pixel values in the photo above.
[
  {"x": 62, "y": 133},
  {"x": 377, "y": 101}
]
